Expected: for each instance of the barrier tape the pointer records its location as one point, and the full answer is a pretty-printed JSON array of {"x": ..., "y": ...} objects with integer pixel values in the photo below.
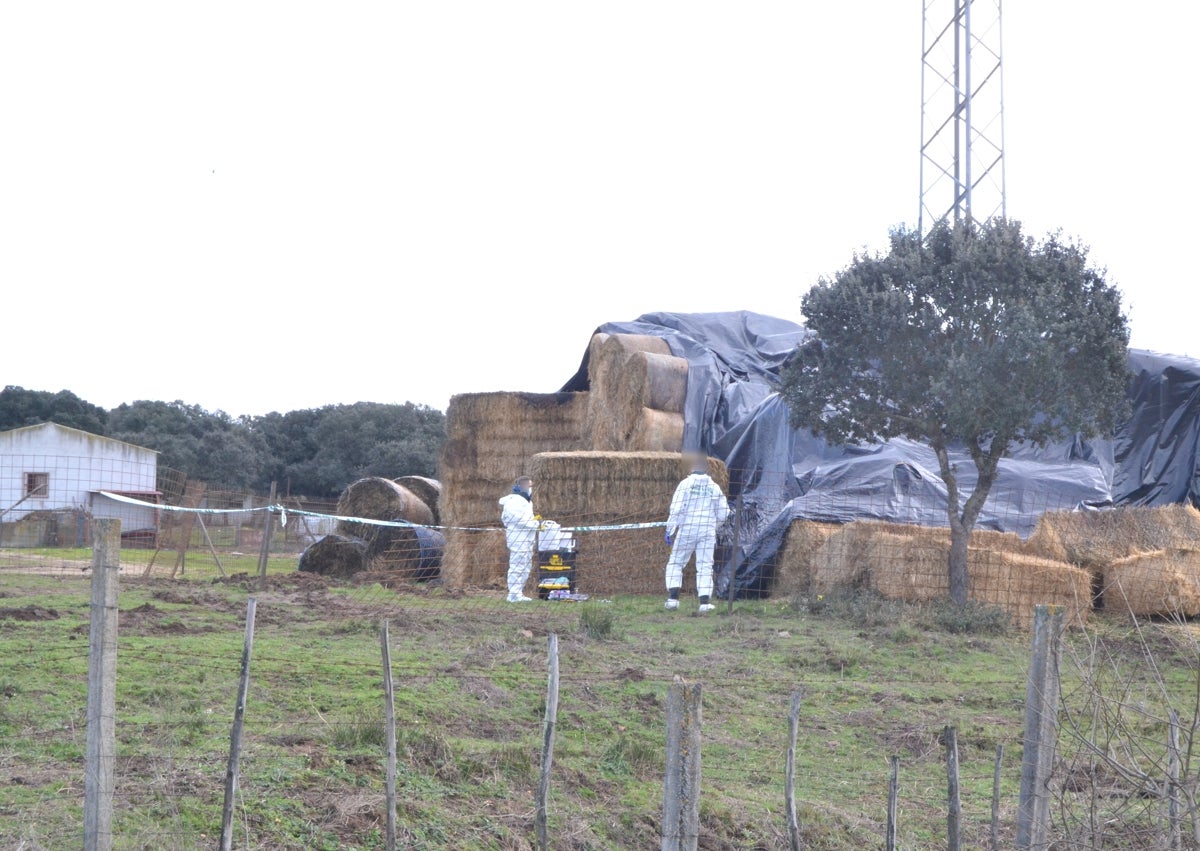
[{"x": 282, "y": 511}]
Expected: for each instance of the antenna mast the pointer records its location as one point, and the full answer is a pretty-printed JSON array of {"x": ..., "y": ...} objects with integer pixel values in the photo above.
[{"x": 962, "y": 112}]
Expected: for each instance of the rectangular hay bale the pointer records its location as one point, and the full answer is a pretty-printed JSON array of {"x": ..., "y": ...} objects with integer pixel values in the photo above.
[{"x": 1162, "y": 582}]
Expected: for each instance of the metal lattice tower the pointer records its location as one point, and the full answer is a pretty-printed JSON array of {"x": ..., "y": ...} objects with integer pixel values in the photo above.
[{"x": 962, "y": 112}]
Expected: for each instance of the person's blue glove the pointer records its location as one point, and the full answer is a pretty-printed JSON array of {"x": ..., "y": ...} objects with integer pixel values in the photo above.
[{"x": 667, "y": 537}]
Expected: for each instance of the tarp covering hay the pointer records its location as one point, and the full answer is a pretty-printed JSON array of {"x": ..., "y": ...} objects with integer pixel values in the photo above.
[
  {"x": 337, "y": 556},
  {"x": 1162, "y": 582},
  {"x": 429, "y": 491},
  {"x": 593, "y": 488},
  {"x": 490, "y": 439},
  {"x": 1095, "y": 539}
]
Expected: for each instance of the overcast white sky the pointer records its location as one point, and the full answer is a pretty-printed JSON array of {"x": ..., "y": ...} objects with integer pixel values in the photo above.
[{"x": 266, "y": 206}]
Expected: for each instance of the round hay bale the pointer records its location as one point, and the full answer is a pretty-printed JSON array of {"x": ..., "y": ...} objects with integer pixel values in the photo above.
[
  {"x": 413, "y": 551},
  {"x": 658, "y": 381},
  {"x": 429, "y": 491},
  {"x": 375, "y": 498},
  {"x": 334, "y": 555},
  {"x": 655, "y": 431}
]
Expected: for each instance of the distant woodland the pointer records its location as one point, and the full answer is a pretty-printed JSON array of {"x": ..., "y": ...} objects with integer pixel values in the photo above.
[{"x": 315, "y": 452}]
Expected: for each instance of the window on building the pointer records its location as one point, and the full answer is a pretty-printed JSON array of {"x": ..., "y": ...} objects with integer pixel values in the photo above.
[{"x": 37, "y": 485}]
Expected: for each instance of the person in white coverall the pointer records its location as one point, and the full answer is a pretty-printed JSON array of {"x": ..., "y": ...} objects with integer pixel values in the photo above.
[
  {"x": 520, "y": 533},
  {"x": 698, "y": 507}
]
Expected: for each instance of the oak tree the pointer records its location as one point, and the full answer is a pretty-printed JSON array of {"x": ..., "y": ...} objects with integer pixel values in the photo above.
[{"x": 974, "y": 335}]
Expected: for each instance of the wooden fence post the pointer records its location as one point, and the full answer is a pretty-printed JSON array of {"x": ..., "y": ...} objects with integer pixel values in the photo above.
[
  {"x": 235, "y": 737},
  {"x": 793, "y": 821},
  {"x": 543, "y": 790},
  {"x": 954, "y": 800},
  {"x": 389, "y": 713},
  {"x": 996, "y": 798},
  {"x": 1174, "y": 761},
  {"x": 101, "y": 739},
  {"x": 681, "y": 788},
  {"x": 264, "y": 551},
  {"x": 1041, "y": 729},
  {"x": 735, "y": 555},
  {"x": 893, "y": 796}
]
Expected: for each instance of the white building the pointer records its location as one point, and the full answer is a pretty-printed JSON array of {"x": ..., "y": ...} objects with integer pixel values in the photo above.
[{"x": 51, "y": 478}]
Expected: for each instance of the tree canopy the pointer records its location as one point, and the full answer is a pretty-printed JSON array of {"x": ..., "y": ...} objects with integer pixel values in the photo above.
[
  {"x": 314, "y": 452},
  {"x": 20, "y": 407},
  {"x": 975, "y": 335}
]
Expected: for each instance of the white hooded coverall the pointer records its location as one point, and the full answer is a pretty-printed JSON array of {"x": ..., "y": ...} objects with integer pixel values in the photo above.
[
  {"x": 520, "y": 533},
  {"x": 698, "y": 507}
]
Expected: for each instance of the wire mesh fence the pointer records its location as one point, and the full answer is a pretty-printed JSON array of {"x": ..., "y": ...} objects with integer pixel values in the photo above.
[{"x": 470, "y": 671}]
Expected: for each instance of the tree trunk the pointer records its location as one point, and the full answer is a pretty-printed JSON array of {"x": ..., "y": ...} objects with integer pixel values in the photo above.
[
  {"x": 960, "y": 533},
  {"x": 960, "y": 537}
]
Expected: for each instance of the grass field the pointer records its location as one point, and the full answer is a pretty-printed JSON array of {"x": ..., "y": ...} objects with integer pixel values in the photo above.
[{"x": 877, "y": 679}]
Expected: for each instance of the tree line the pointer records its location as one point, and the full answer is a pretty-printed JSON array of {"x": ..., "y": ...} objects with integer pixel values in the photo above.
[{"x": 314, "y": 452}]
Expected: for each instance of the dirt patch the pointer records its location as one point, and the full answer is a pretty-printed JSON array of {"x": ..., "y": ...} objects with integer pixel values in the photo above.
[{"x": 29, "y": 613}]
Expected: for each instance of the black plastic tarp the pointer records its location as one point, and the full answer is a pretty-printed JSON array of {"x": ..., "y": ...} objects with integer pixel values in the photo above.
[{"x": 779, "y": 474}]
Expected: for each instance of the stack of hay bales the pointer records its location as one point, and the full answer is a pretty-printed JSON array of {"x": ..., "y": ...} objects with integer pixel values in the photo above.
[
  {"x": 1146, "y": 561},
  {"x": 909, "y": 563},
  {"x": 638, "y": 390},
  {"x": 412, "y": 550},
  {"x": 491, "y": 438},
  {"x": 635, "y": 404},
  {"x": 595, "y": 488}
]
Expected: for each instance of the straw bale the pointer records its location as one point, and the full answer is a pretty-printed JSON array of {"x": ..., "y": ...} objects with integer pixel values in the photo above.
[
  {"x": 658, "y": 381},
  {"x": 1161, "y": 582},
  {"x": 334, "y": 555},
  {"x": 595, "y": 366},
  {"x": 476, "y": 559},
  {"x": 910, "y": 562},
  {"x": 611, "y": 487},
  {"x": 490, "y": 439},
  {"x": 375, "y": 498},
  {"x": 591, "y": 488},
  {"x": 625, "y": 561},
  {"x": 915, "y": 569},
  {"x": 413, "y": 551},
  {"x": 840, "y": 561},
  {"x": 655, "y": 431},
  {"x": 429, "y": 491},
  {"x": 628, "y": 373},
  {"x": 1096, "y": 539},
  {"x": 1007, "y": 542},
  {"x": 793, "y": 573},
  {"x": 1020, "y": 583}
]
